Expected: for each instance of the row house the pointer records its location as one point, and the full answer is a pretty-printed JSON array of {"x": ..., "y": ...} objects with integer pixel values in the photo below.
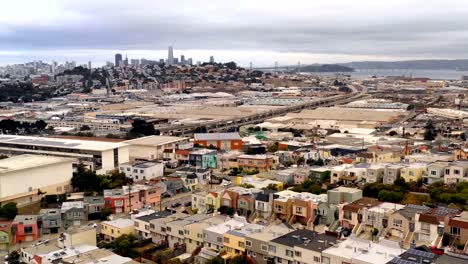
[
  {"x": 194, "y": 232},
  {"x": 401, "y": 224},
  {"x": 73, "y": 213},
  {"x": 158, "y": 227},
  {"x": 352, "y": 214},
  {"x": 257, "y": 243},
  {"x": 214, "y": 235},
  {"x": 392, "y": 172},
  {"x": 297, "y": 207},
  {"x": 361, "y": 251},
  {"x": 199, "y": 201},
  {"x": 413, "y": 172},
  {"x": 429, "y": 226},
  {"x": 204, "y": 158},
  {"x": 228, "y": 159},
  {"x": 300, "y": 246},
  {"x": 378, "y": 155},
  {"x": 257, "y": 162},
  {"x": 460, "y": 154},
  {"x": 51, "y": 221},
  {"x": 377, "y": 216},
  {"x": 235, "y": 242},
  {"x": 230, "y": 197},
  {"x": 176, "y": 232},
  {"x": 25, "y": 228},
  {"x": 128, "y": 198},
  {"x": 113, "y": 229},
  {"x": 435, "y": 172},
  {"x": 355, "y": 173},
  {"x": 264, "y": 205},
  {"x": 203, "y": 174},
  {"x": 143, "y": 223},
  {"x": 337, "y": 172},
  {"x": 457, "y": 228},
  {"x": 182, "y": 156},
  {"x": 456, "y": 172}
]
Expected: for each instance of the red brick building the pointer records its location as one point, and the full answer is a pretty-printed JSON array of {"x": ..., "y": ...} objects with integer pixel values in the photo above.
[{"x": 225, "y": 141}]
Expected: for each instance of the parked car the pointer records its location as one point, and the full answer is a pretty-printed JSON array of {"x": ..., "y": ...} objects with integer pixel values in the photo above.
[{"x": 175, "y": 205}]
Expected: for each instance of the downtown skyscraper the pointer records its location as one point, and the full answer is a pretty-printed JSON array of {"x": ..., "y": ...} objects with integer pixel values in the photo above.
[{"x": 170, "y": 56}]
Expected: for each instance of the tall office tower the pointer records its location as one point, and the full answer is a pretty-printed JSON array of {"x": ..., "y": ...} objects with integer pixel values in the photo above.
[
  {"x": 175, "y": 61},
  {"x": 89, "y": 65},
  {"x": 126, "y": 60},
  {"x": 118, "y": 59},
  {"x": 190, "y": 61},
  {"x": 53, "y": 67},
  {"x": 212, "y": 59},
  {"x": 182, "y": 59},
  {"x": 170, "y": 56}
]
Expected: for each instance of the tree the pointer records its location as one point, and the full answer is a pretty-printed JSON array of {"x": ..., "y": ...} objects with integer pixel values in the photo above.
[
  {"x": 105, "y": 213},
  {"x": 273, "y": 148},
  {"x": 272, "y": 187},
  {"x": 14, "y": 257},
  {"x": 216, "y": 260},
  {"x": 9, "y": 211},
  {"x": 430, "y": 133},
  {"x": 85, "y": 128},
  {"x": 123, "y": 244},
  {"x": 400, "y": 181},
  {"x": 85, "y": 180},
  {"x": 247, "y": 186},
  {"x": 390, "y": 196},
  {"x": 140, "y": 126},
  {"x": 240, "y": 259},
  {"x": 325, "y": 176}
]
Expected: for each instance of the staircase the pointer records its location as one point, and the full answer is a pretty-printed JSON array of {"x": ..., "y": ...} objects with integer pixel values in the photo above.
[
  {"x": 356, "y": 228},
  {"x": 334, "y": 225},
  {"x": 253, "y": 216},
  {"x": 408, "y": 239},
  {"x": 437, "y": 242}
]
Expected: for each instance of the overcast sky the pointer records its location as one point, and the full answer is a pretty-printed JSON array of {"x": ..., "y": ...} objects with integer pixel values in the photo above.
[{"x": 261, "y": 31}]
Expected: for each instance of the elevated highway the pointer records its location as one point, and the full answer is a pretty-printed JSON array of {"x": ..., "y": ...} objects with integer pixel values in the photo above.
[{"x": 358, "y": 92}]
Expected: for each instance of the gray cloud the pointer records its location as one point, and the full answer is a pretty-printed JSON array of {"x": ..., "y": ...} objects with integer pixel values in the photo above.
[{"x": 386, "y": 28}]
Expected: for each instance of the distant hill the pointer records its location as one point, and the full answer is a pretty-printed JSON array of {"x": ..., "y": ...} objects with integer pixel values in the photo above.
[
  {"x": 326, "y": 68},
  {"x": 410, "y": 64}
]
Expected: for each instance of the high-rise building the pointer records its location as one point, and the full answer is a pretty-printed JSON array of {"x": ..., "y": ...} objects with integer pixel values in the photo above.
[
  {"x": 126, "y": 60},
  {"x": 170, "y": 56},
  {"x": 182, "y": 59},
  {"x": 175, "y": 61},
  {"x": 89, "y": 65},
  {"x": 212, "y": 59},
  {"x": 118, "y": 60},
  {"x": 190, "y": 61}
]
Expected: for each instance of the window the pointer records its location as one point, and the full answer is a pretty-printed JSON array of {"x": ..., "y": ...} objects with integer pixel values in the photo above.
[
  {"x": 168, "y": 229},
  {"x": 264, "y": 247},
  {"x": 456, "y": 172},
  {"x": 411, "y": 173},
  {"x": 298, "y": 210},
  {"x": 447, "y": 171},
  {"x": 28, "y": 229},
  {"x": 397, "y": 222},
  {"x": 226, "y": 240},
  {"x": 181, "y": 232},
  {"x": 128, "y": 169},
  {"x": 325, "y": 260},
  {"x": 279, "y": 260},
  {"x": 289, "y": 253},
  {"x": 279, "y": 208},
  {"x": 272, "y": 249},
  {"x": 187, "y": 232},
  {"x": 455, "y": 230},
  {"x": 316, "y": 259},
  {"x": 425, "y": 227},
  {"x": 433, "y": 173},
  {"x": 347, "y": 215},
  {"x": 219, "y": 239},
  {"x": 241, "y": 244},
  {"x": 142, "y": 171},
  {"x": 248, "y": 243},
  {"x": 298, "y": 254}
]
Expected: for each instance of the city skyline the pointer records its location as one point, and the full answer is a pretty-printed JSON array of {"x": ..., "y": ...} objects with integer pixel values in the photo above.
[{"x": 261, "y": 32}]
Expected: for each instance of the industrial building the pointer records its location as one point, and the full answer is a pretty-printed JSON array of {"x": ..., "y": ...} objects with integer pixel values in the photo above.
[{"x": 99, "y": 155}]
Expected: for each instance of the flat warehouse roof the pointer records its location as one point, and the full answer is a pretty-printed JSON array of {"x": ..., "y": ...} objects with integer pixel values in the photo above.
[
  {"x": 155, "y": 140},
  {"x": 60, "y": 143},
  {"x": 27, "y": 161}
]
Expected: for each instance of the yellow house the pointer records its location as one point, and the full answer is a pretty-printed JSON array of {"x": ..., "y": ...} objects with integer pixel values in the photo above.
[
  {"x": 213, "y": 200},
  {"x": 413, "y": 172},
  {"x": 234, "y": 240},
  {"x": 460, "y": 154},
  {"x": 115, "y": 228},
  {"x": 378, "y": 156}
]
